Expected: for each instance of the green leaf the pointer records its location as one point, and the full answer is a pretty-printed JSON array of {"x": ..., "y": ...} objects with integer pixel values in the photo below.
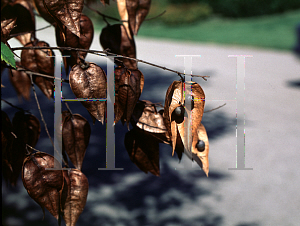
[{"x": 7, "y": 55}]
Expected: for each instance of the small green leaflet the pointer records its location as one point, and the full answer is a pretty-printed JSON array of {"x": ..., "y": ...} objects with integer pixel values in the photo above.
[{"x": 7, "y": 55}]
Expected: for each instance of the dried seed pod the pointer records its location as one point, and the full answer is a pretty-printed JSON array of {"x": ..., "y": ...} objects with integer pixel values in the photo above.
[
  {"x": 26, "y": 127},
  {"x": 128, "y": 88},
  {"x": 176, "y": 124},
  {"x": 82, "y": 42},
  {"x": 137, "y": 11},
  {"x": 196, "y": 115},
  {"x": 90, "y": 83},
  {"x": 124, "y": 16},
  {"x": 23, "y": 11},
  {"x": 21, "y": 82},
  {"x": 131, "y": 7},
  {"x": 16, "y": 157},
  {"x": 76, "y": 133},
  {"x": 115, "y": 38},
  {"x": 74, "y": 195},
  {"x": 67, "y": 12},
  {"x": 174, "y": 99},
  {"x": 143, "y": 150},
  {"x": 202, "y": 155},
  {"x": 41, "y": 61},
  {"x": 146, "y": 117},
  {"x": 13, "y": 152},
  {"x": 40, "y": 7},
  {"x": 6, "y": 27},
  {"x": 142, "y": 12},
  {"x": 43, "y": 186},
  {"x": 26, "y": 130}
]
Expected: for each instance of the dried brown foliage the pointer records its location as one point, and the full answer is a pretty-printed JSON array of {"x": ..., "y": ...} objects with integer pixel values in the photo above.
[
  {"x": 63, "y": 192},
  {"x": 137, "y": 11},
  {"x": 128, "y": 88},
  {"x": 41, "y": 61},
  {"x": 76, "y": 133},
  {"x": 6, "y": 27},
  {"x": 116, "y": 39},
  {"x": 67, "y": 38},
  {"x": 43, "y": 186},
  {"x": 74, "y": 195},
  {"x": 66, "y": 12},
  {"x": 143, "y": 150},
  {"x": 22, "y": 10},
  {"x": 21, "y": 82}
]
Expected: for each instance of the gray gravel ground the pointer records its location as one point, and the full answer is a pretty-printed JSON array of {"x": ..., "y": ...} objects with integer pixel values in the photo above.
[{"x": 266, "y": 195}]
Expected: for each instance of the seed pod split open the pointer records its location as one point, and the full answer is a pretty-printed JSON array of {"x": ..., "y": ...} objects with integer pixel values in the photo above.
[{"x": 176, "y": 122}]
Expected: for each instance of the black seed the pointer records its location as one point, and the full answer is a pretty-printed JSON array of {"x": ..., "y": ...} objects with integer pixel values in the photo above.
[
  {"x": 179, "y": 111},
  {"x": 178, "y": 114},
  {"x": 200, "y": 145}
]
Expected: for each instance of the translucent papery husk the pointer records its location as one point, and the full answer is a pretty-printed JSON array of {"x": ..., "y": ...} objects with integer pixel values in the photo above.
[{"x": 90, "y": 82}]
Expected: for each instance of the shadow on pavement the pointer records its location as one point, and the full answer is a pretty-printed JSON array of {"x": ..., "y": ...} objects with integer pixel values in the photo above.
[{"x": 293, "y": 83}]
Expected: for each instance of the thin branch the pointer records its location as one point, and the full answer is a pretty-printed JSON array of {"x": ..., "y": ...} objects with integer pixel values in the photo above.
[
  {"x": 159, "y": 15},
  {"x": 105, "y": 16},
  {"x": 98, "y": 52},
  {"x": 17, "y": 34},
  {"x": 115, "y": 19},
  {"x": 20, "y": 68},
  {"x": 27, "y": 145},
  {"x": 42, "y": 116},
  {"x": 68, "y": 107},
  {"x": 20, "y": 109},
  {"x": 60, "y": 48},
  {"x": 155, "y": 65},
  {"x": 15, "y": 136},
  {"x": 42, "y": 28},
  {"x": 26, "y": 32},
  {"x": 215, "y": 108}
]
